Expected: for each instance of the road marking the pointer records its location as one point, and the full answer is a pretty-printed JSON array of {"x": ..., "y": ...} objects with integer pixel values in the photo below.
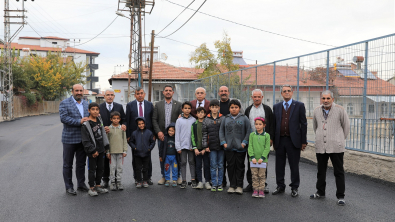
[{"x": 31, "y": 138}]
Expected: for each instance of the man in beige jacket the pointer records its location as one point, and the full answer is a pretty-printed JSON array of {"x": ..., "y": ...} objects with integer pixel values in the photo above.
[{"x": 331, "y": 126}]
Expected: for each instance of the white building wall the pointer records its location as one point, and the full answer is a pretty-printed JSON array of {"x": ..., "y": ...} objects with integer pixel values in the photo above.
[{"x": 29, "y": 41}]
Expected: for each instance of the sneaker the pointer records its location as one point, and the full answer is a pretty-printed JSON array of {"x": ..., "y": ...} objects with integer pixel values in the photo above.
[
  {"x": 193, "y": 184},
  {"x": 167, "y": 183},
  {"x": 213, "y": 189},
  {"x": 248, "y": 188},
  {"x": 119, "y": 185},
  {"x": 92, "y": 192},
  {"x": 174, "y": 183},
  {"x": 208, "y": 186},
  {"x": 183, "y": 185},
  {"x": 220, "y": 188},
  {"x": 113, "y": 186},
  {"x": 138, "y": 185},
  {"x": 294, "y": 193},
  {"x": 316, "y": 196},
  {"x": 179, "y": 181},
  {"x": 231, "y": 190},
  {"x": 145, "y": 184},
  {"x": 261, "y": 194},
  {"x": 255, "y": 194},
  {"x": 266, "y": 190},
  {"x": 150, "y": 182},
  {"x": 341, "y": 202},
  {"x": 278, "y": 190},
  {"x": 199, "y": 186},
  {"x": 239, "y": 190},
  {"x": 101, "y": 190},
  {"x": 162, "y": 181}
]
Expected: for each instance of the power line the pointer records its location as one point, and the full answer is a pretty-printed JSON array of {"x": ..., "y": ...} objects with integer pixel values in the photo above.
[
  {"x": 175, "y": 17},
  {"x": 187, "y": 20},
  {"x": 270, "y": 32},
  {"x": 100, "y": 32}
]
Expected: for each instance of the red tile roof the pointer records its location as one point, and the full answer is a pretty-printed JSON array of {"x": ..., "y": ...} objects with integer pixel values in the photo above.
[
  {"x": 164, "y": 71},
  {"x": 54, "y": 37},
  {"x": 28, "y": 37},
  {"x": 86, "y": 92},
  {"x": 52, "y": 49}
]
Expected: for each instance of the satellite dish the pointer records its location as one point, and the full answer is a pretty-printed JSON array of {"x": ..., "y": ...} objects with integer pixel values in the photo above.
[{"x": 163, "y": 56}]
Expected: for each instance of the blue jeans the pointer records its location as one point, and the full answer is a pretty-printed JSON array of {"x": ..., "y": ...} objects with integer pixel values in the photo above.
[
  {"x": 171, "y": 162},
  {"x": 216, "y": 162},
  {"x": 206, "y": 167}
]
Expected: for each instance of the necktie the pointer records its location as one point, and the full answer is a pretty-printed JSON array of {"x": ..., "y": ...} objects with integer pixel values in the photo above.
[
  {"x": 200, "y": 104},
  {"x": 109, "y": 107},
  {"x": 141, "y": 109},
  {"x": 286, "y": 106}
]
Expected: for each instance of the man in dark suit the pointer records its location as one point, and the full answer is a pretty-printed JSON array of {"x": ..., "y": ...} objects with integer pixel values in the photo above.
[
  {"x": 73, "y": 113},
  {"x": 289, "y": 139},
  {"x": 200, "y": 100},
  {"x": 139, "y": 108},
  {"x": 165, "y": 112},
  {"x": 105, "y": 110}
]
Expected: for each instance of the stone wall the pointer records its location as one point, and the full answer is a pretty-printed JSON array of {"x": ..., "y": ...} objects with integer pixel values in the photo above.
[
  {"x": 361, "y": 163},
  {"x": 44, "y": 107}
]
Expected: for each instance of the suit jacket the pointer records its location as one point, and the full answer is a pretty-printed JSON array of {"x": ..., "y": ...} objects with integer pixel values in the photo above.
[
  {"x": 105, "y": 114},
  {"x": 297, "y": 123},
  {"x": 158, "y": 118},
  {"x": 206, "y": 107},
  {"x": 71, "y": 117},
  {"x": 132, "y": 113}
]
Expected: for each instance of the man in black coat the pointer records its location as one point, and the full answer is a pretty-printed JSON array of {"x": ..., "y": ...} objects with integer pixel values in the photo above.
[
  {"x": 105, "y": 110},
  {"x": 290, "y": 138},
  {"x": 258, "y": 109}
]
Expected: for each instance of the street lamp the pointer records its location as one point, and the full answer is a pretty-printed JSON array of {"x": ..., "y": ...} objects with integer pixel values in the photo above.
[{"x": 121, "y": 14}]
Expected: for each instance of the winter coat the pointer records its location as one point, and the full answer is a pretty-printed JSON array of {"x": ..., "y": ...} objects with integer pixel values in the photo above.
[
  {"x": 163, "y": 145},
  {"x": 88, "y": 139},
  {"x": 210, "y": 130},
  {"x": 269, "y": 119},
  {"x": 142, "y": 141},
  {"x": 234, "y": 132}
]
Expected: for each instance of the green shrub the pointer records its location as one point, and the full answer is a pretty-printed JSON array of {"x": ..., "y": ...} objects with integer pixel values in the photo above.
[
  {"x": 39, "y": 97},
  {"x": 31, "y": 98}
]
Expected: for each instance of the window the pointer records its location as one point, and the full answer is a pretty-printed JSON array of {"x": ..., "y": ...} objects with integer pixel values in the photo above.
[
  {"x": 392, "y": 109},
  {"x": 350, "y": 109},
  {"x": 54, "y": 43},
  {"x": 384, "y": 109},
  {"x": 157, "y": 95},
  {"x": 371, "y": 108}
]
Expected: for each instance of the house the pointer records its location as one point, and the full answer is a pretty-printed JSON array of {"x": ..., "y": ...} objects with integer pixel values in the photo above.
[
  {"x": 42, "y": 45},
  {"x": 162, "y": 74},
  {"x": 89, "y": 96}
]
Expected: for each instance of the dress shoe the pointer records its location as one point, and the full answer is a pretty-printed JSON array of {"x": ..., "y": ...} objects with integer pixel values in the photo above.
[
  {"x": 71, "y": 192},
  {"x": 278, "y": 190},
  {"x": 104, "y": 184},
  {"x": 294, "y": 193},
  {"x": 248, "y": 188},
  {"x": 84, "y": 188}
]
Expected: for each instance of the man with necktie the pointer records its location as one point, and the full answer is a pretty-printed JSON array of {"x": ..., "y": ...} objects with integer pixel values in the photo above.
[
  {"x": 200, "y": 101},
  {"x": 139, "y": 108},
  {"x": 289, "y": 139},
  {"x": 105, "y": 110}
]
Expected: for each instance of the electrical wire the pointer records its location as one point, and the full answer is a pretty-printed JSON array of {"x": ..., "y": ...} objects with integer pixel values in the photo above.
[
  {"x": 175, "y": 17},
  {"x": 270, "y": 32},
  {"x": 100, "y": 32},
  {"x": 187, "y": 20}
]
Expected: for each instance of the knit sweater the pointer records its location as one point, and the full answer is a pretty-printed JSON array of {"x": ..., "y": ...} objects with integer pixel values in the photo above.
[
  {"x": 117, "y": 139},
  {"x": 331, "y": 133},
  {"x": 259, "y": 146},
  {"x": 183, "y": 132}
]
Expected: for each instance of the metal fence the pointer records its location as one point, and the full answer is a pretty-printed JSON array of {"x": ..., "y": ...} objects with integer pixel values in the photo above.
[{"x": 360, "y": 75}]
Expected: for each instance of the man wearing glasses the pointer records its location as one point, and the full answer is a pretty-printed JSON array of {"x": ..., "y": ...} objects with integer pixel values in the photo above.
[
  {"x": 331, "y": 126},
  {"x": 289, "y": 139}
]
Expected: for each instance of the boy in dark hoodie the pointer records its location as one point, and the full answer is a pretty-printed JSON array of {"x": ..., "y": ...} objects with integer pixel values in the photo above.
[
  {"x": 96, "y": 144},
  {"x": 168, "y": 154},
  {"x": 142, "y": 141}
]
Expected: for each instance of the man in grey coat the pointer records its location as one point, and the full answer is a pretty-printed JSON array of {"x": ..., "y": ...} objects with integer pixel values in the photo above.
[
  {"x": 165, "y": 112},
  {"x": 331, "y": 126}
]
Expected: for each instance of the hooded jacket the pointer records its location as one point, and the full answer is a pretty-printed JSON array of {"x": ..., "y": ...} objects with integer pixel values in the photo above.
[
  {"x": 88, "y": 139},
  {"x": 234, "y": 132},
  {"x": 142, "y": 141},
  {"x": 163, "y": 145},
  {"x": 210, "y": 131},
  {"x": 183, "y": 132}
]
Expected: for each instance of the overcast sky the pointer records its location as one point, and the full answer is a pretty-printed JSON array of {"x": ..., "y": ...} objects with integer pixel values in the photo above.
[{"x": 335, "y": 22}]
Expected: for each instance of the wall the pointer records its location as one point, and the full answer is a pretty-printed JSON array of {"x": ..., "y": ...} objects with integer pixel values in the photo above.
[
  {"x": 360, "y": 163},
  {"x": 44, "y": 107}
]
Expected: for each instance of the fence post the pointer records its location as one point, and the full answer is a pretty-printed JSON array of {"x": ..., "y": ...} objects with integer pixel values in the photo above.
[
  {"x": 365, "y": 84},
  {"x": 241, "y": 85},
  {"x": 327, "y": 70},
  {"x": 274, "y": 83},
  {"x": 297, "y": 81},
  {"x": 256, "y": 77}
]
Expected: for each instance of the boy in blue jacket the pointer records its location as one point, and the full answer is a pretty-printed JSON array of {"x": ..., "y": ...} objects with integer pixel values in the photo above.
[{"x": 142, "y": 142}]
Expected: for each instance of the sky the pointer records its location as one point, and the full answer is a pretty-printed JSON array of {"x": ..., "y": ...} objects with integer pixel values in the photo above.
[{"x": 331, "y": 23}]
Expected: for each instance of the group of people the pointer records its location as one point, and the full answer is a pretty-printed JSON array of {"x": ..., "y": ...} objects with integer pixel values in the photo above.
[{"x": 212, "y": 137}]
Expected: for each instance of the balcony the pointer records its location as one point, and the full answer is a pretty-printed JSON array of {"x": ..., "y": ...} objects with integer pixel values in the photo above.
[{"x": 93, "y": 66}]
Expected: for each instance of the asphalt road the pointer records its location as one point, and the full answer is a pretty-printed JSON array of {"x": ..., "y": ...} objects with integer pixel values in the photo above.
[{"x": 32, "y": 189}]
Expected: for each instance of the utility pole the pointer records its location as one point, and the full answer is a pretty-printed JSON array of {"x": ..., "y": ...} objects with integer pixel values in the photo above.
[
  {"x": 151, "y": 62},
  {"x": 137, "y": 11},
  {"x": 7, "y": 85}
]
